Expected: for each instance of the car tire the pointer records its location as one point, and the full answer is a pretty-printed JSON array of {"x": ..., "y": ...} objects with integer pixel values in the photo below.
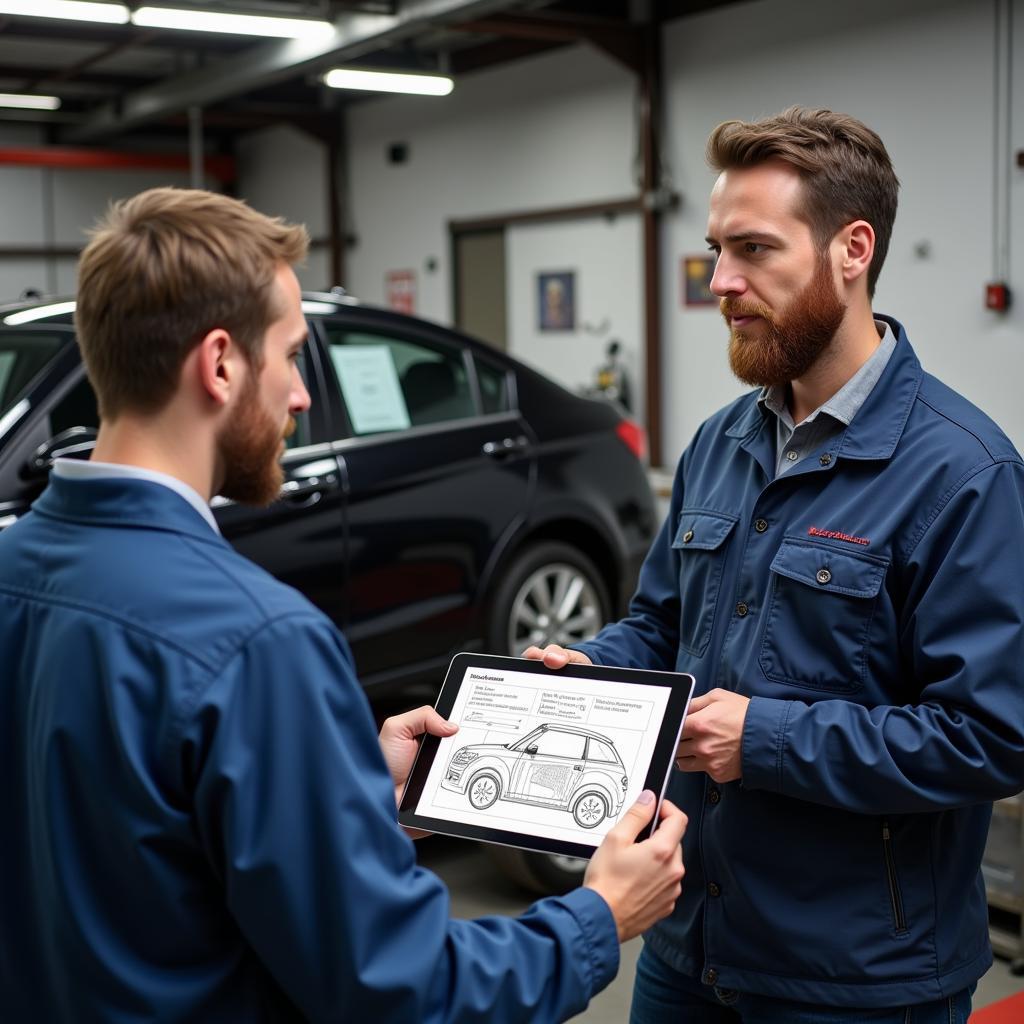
[
  {"x": 543, "y": 873},
  {"x": 483, "y": 790},
  {"x": 550, "y": 593},
  {"x": 590, "y": 809}
]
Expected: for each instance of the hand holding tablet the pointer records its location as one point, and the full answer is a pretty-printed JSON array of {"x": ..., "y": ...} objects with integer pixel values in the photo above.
[{"x": 543, "y": 759}]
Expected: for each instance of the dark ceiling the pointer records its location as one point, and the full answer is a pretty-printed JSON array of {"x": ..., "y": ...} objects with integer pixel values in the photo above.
[{"x": 116, "y": 82}]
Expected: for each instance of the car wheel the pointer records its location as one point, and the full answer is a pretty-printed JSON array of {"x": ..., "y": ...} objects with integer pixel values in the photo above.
[
  {"x": 551, "y": 594},
  {"x": 590, "y": 809},
  {"x": 545, "y": 873},
  {"x": 483, "y": 789}
]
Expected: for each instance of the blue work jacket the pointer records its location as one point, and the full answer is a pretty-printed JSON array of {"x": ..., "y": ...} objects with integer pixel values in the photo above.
[
  {"x": 869, "y": 602},
  {"x": 198, "y": 824}
]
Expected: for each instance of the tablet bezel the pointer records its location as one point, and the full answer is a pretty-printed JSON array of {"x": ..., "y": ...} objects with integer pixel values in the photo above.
[{"x": 680, "y": 684}]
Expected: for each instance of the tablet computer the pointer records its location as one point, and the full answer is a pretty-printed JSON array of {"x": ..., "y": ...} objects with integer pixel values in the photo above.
[{"x": 544, "y": 759}]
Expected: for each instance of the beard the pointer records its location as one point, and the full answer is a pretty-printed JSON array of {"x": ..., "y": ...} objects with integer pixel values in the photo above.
[
  {"x": 784, "y": 347},
  {"x": 250, "y": 447}
]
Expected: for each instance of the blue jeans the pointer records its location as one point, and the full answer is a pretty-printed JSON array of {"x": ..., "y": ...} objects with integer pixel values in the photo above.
[{"x": 661, "y": 995}]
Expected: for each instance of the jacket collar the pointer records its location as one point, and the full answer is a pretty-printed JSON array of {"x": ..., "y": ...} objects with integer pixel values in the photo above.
[
  {"x": 122, "y": 502},
  {"x": 878, "y": 426}
]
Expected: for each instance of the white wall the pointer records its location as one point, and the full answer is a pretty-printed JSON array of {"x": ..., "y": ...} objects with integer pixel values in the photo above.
[
  {"x": 920, "y": 72},
  {"x": 548, "y": 131},
  {"x": 45, "y": 207},
  {"x": 607, "y": 257},
  {"x": 559, "y": 129},
  {"x": 282, "y": 172}
]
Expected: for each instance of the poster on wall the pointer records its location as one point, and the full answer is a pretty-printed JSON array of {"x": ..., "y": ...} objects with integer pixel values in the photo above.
[
  {"x": 400, "y": 290},
  {"x": 697, "y": 274},
  {"x": 556, "y": 300}
]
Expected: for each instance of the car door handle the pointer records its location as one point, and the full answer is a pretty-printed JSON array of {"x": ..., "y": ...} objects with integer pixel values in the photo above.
[
  {"x": 577, "y": 767},
  {"x": 506, "y": 446},
  {"x": 308, "y": 491}
]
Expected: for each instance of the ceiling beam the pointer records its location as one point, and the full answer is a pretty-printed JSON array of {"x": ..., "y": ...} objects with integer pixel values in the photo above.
[{"x": 355, "y": 35}]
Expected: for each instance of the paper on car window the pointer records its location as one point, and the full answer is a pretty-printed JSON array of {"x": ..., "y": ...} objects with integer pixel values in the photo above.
[{"x": 369, "y": 383}]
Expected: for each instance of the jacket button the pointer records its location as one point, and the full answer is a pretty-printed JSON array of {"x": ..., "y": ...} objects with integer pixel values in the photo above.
[
  {"x": 710, "y": 976},
  {"x": 688, "y": 536},
  {"x": 761, "y": 525},
  {"x": 826, "y": 459},
  {"x": 742, "y": 608},
  {"x": 824, "y": 576},
  {"x": 714, "y": 795},
  {"x": 713, "y": 889}
]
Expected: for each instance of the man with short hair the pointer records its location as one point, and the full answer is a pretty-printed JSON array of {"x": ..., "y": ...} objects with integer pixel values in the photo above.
[
  {"x": 842, "y": 569},
  {"x": 199, "y": 821}
]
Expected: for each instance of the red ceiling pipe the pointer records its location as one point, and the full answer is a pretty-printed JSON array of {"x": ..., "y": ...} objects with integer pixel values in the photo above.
[{"x": 221, "y": 167}]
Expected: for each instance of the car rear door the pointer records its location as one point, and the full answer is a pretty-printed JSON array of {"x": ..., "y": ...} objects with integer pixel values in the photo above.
[{"x": 438, "y": 469}]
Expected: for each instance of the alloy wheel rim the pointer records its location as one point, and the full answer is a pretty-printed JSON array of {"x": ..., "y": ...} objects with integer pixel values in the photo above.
[{"x": 556, "y": 604}]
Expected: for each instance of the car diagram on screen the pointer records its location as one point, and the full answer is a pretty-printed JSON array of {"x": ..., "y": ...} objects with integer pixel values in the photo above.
[{"x": 564, "y": 767}]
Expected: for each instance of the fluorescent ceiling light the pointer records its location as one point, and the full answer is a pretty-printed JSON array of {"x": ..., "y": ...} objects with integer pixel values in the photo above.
[
  {"x": 233, "y": 24},
  {"x": 26, "y": 316},
  {"x": 389, "y": 81},
  {"x": 69, "y": 10},
  {"x": 11, "y": 99}
]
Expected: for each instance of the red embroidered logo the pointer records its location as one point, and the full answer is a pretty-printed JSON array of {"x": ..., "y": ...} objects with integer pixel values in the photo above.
[{"x": 836, "y": 535}]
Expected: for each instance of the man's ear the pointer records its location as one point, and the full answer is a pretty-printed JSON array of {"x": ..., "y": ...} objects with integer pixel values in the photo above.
[
  {"x": 858, "y": 247},
  {"x": 218, "y": 365}
]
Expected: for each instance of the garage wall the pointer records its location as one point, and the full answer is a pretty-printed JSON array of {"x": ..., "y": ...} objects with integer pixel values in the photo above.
[
  {"x": 45, "y": 207},
  {"x": 548, "y": 131},
  {"x": 559, "y": 129},
  {"x": 920, "y": 72}
]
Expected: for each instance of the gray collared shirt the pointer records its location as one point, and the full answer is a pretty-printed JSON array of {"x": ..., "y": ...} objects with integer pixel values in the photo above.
[{"x": 795, "y": 441}]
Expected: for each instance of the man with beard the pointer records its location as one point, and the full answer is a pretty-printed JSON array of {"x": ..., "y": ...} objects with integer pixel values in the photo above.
[
  {"x": 199, "y": 820},
  {"x": 842, "y": 569}
]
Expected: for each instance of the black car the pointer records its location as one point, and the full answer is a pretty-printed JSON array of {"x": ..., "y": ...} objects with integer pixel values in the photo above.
[{"x": 439, "y": 496}]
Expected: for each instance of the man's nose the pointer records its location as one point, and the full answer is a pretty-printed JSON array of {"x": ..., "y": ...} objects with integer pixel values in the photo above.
[
  {"x": 300, "y": 400},
  {"x": 726, "y": 279}
]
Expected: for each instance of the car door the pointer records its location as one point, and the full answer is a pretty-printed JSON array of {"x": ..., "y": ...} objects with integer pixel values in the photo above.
[
  {"x": 550, "y": 774},
  {"x": 438, "y": 469}
]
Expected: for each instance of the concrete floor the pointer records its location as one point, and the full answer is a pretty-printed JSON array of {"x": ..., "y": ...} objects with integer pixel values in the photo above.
[{"x": 477, "y": 890}]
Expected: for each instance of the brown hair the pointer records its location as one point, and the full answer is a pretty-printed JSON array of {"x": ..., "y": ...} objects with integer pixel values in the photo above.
[
  {"x": 162, "y": 270},
  {"x": 846, "y": 171}
]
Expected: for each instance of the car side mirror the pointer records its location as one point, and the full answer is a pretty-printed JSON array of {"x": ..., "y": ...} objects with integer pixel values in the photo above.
[
  {"x": 532, "y": 749},
  {"x": 73, "y": 443}
]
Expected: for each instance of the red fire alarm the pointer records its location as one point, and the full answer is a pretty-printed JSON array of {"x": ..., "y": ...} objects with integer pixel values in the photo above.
[{"x": 997, "y": 297}]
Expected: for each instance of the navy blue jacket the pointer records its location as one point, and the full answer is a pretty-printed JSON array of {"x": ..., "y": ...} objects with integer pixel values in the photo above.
[
  {"x": 870, "y": 604},
  {"x": 198, "y": 824}
]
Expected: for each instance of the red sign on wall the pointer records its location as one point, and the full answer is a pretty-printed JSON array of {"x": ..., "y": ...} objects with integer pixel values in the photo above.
[{"x": 400, "y": 288}]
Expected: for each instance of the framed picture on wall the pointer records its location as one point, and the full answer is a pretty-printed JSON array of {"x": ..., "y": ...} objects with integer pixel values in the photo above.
[
  {"x": 697, "y": 273},
  {"x": 556, "y": 300}
]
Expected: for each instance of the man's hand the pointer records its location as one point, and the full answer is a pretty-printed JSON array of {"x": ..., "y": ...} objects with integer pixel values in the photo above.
[
  {"x": 713, "y": 735},
  {"x": 554, "y": 656},
  {"x": 399, "y": 740},
  {"x": 640, "y": 882}
]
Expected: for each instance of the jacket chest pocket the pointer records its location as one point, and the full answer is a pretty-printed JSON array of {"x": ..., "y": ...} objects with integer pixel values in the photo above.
[
  {"x": 700, "y": 542},
  {"x": 820, "y": 606}
]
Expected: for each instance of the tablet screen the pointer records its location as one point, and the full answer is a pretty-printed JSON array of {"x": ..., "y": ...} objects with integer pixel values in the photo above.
[{"x": 544, "y": 759}]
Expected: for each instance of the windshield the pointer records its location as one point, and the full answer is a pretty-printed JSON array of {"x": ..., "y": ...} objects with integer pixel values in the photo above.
[{"x": 23, "y": 354}]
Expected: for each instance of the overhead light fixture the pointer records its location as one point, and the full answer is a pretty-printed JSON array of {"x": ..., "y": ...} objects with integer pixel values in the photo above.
[
  {"x": 68, "y": 10},
  {"x": 26, "y": 102},
  {"x": 232, "y": 24},
  {"x": 389, "y": 81}
]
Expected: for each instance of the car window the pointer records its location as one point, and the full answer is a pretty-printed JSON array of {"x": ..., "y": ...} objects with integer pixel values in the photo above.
[
  {"x": 76, "y": 409},
  {"x": 493, "y": 383},
  {"x": 22, "y": 355},
  {"x": 391, "y": 383},
  {"x": 598, "y": 751},
  {"x": 560, "y": 744}
]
